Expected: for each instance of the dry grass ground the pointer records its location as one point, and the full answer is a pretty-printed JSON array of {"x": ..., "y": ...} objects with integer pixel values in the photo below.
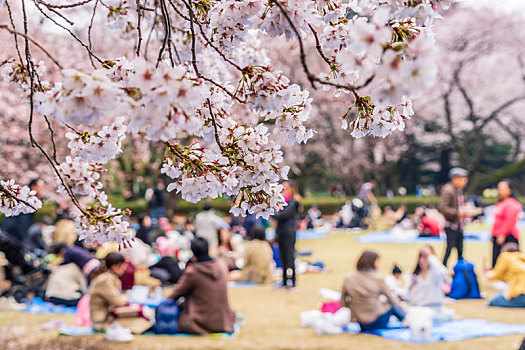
[{"x": 272, "y": 315}]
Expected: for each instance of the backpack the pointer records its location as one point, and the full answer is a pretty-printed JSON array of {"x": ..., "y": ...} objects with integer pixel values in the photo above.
[
  {"x": 167, "y": 317},
  {"x": 465, "y": 283}
]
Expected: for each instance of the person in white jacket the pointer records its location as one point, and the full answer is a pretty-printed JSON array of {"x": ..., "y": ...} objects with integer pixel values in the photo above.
[{"x": 426, "y": 288}]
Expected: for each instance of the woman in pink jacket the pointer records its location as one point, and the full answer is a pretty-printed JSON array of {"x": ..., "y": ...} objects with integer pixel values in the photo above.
[{"x": 506, "y": 214}]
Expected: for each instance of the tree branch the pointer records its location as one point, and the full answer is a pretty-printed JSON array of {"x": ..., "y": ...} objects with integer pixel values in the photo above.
[
  {"x": 34, "y": 42},
  {"x": 11, "y": 195},
  {"x": 215, "y": 130}
]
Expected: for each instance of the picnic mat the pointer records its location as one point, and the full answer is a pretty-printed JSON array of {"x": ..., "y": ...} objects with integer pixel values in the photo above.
[
  {"x": 313, "y": 233},
  {"x": 388, "y": 237},
  {"x": 38, "y": 306},
  {"x": 79, "y": 331},
  {"x": 455, "y": 331}
]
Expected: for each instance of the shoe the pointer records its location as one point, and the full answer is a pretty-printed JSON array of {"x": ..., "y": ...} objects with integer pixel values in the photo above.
[{"x": 117, "y": 333}]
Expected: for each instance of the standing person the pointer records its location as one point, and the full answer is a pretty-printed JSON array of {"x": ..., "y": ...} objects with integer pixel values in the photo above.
[
  {"x": 17, "y": 226},
  {"x": 286, "y": 233},
  {"x": 364, "y": 293},
  {"x": 206, "y": 226},
  {"x": 156, "y": 203},
  {"x": 204, "y": 286},
  {"x": 366, "y": 194},
  {"x": 451, "y": 205},
  {"x": 506, "y": 214}
]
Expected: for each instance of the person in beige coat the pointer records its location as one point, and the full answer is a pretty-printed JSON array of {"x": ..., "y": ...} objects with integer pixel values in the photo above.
[
  {"x": 258, "y": 257},
  {"x": 368, "y": 297},
  {"x": 106, "y": 295}
]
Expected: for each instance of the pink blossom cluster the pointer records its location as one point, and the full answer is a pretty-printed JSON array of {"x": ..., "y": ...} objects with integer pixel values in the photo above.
[
  {"x": 213, "y": 96},
  {"x": 13, "y": 196}
]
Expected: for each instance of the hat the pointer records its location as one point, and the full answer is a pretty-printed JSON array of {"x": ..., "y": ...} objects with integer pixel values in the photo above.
[
  {"x": 396, "y": 270},
  {"x": 457, "y": 172}
]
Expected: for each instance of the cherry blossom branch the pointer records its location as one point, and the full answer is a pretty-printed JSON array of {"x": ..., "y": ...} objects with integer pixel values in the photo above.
[
  {"x": 319, "y": 48},
  {"x": 11, "y": 195},
  {"x": 34, "y": 42},
  {"x": 216, "y": 131},
  {"x": 167, "y": 28},
  {"x": 139, "y": 16},
  {"x": 68, "y": 6}
]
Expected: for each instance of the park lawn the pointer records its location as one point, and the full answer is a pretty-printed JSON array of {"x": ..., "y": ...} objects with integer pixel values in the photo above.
[{"x": 272, "y": 315}]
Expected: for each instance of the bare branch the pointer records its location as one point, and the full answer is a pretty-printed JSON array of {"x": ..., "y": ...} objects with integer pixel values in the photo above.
[
  {"x": 14, "y": 29},
  {"x": 50, "y": 6},
  {"x": 215, "y": 130},
  {"x": 319, "y": 48},
  {"x": 193, "y": 54},
  {"x": 468, "y": 100},
  {"x": 34, "y": 42}
]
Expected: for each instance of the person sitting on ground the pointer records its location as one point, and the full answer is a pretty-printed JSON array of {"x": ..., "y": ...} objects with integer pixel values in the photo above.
[
  {"x": 426, "y": 288},
  {"x": 363, "y": 293},
  {"x": 227, "y": 251},
  {"x": 144, "y": 228},
  {"x": 66, "y": 285},
  {"x": 397, "y": 282},
  {"x": 258, "y": 257},
  {"x": 138, "y": 255},
  {"x": 510, "y": 268},
  {"x": 77, "y": 255},
  {"x": 428, "y": 225},
  {"x": 204, "y": 286},
  {"x": 106, "y": 296},
  {"x": 34, "y": 240},
  {"x": 167, "y": 269}
]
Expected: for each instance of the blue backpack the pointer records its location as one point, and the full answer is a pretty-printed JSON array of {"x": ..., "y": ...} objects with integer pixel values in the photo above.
[
  {"x": 465, "y": 283},
  {"x": 167, "y": 317}
]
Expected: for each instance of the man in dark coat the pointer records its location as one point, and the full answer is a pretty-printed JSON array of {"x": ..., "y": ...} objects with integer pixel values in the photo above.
[
  {"x": 204, "y": 286},
  {"x": 286, "y": 234},
  {"x": 451, "y": 205}
]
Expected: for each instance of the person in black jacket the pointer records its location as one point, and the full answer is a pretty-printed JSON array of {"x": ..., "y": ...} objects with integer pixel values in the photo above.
[{"x": 286, "y": 232}]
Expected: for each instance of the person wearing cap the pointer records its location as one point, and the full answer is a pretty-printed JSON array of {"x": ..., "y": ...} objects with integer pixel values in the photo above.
[{"x": 451, "y": 205}]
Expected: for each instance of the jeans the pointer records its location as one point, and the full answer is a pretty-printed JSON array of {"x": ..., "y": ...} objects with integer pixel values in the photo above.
[
  {"x": 516, "y": 302},
  {"x": 496, "y": 248},
  {"x": 454, "y": 239},
  {"x": 382, "y": 321}
]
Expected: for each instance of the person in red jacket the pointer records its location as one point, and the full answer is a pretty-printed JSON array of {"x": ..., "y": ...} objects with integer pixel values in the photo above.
[{"x": 506, "y": 214}]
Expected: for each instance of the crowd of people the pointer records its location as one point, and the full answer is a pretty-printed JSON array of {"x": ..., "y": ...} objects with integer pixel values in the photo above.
[{"x": 195, "y": 261}]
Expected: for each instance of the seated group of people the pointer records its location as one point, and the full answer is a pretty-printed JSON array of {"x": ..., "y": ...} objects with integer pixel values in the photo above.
[
  {"x": 372, "y": 300},
  {"x": 203, "y": 285}
]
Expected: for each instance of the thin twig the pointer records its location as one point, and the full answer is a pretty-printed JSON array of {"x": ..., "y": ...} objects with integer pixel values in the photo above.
[
  {"x": 52, "y": 138},
  {"x": 167, "y": 28},
  {"x": 33, "y": 41},
  {"x": 139, "y": 16},
  {"x": 31, "y": 76},
  {"x": 319, "y": 48},
  {"x": 14, "y": 29},
  {"x": 91, "y": 24},
  {"x": 50, "y": 6},
  {"x": 193, "y": 54},
  {"x": 91, "y": 53},
  {"x": 216, "y": 132}
]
